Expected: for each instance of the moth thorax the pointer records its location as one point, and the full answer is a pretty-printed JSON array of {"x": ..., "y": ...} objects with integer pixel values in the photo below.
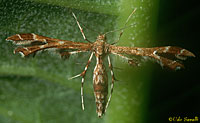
[{"x": 101, "y": 38}]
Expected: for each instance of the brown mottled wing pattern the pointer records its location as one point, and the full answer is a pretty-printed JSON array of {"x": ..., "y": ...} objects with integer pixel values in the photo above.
[
  {"x": 31, "y": 43},
  {"x": 168, "y": 56}
]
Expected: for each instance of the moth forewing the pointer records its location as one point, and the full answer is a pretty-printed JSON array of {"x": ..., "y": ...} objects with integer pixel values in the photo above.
[
  {"x": 155, "y": 53},
  {"x": 31, "y": 43}
]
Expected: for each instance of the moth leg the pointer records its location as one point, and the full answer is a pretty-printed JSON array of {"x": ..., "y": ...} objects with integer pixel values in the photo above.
[
  {"x": 81, "y": 29},
  {"x": 66, "y": 54},
  {"x": 75, "y": 52},
  {"x": 112, "y": 84},
  {"x": 83, "y": 78},
  {"x": 132, "y": 62}
]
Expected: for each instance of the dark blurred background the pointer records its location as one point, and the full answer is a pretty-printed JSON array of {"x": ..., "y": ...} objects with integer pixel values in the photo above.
[{"x": 175, "y": 94}]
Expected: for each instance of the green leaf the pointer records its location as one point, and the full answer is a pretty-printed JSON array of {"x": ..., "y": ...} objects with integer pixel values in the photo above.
[{"x": 35, "y": 90}]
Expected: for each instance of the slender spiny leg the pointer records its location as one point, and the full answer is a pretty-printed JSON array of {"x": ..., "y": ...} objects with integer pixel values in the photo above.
[
  {"x": 75, "y": 52},
  {"x": 112, "y": 84},
  {"x": 124, "y": 57},
  {"x": 81, "y": 74},
  {"x": 125, "y": 26},
  {"x": 66, "y": 54},
  {"x": 81, "y": 29},
  {"x": 83, "y": 78},
  {"x": 133, "y": 62}
]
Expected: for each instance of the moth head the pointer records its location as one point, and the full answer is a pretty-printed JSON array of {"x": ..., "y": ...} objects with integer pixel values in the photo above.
[{"x": 101, "y": 37}]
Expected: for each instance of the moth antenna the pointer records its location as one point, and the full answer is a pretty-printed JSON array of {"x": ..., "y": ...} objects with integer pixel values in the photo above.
[
  {"x": 90, "y": 28},
  {"x": 122, "y": 29},
  {"x": 119, "y": 29}
]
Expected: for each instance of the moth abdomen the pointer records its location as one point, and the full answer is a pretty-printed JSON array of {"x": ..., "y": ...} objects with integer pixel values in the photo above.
[{"x": 100, "y": 92}]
